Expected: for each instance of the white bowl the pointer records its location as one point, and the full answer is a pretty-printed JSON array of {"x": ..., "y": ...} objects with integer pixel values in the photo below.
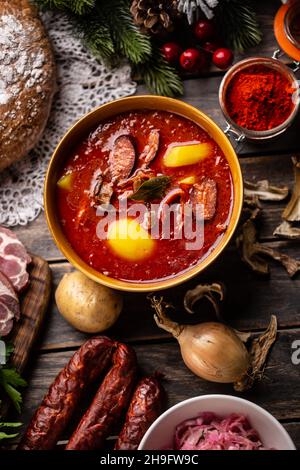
[{"x": 161, "y": 432}]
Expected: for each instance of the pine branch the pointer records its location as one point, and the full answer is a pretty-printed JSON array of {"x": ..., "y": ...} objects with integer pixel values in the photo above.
[
  {"x": 128, "y": 39},
  {"x": 238, "y": 24},
  {"x": 97, "y": 38},
  {"x": 159, "y": 76},
  {"x": 110, "y": 33},
  {"x": 78, "y": 7}
]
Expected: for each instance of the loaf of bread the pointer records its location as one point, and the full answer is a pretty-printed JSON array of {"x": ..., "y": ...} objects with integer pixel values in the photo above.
[{"x": 27, "y": 79}]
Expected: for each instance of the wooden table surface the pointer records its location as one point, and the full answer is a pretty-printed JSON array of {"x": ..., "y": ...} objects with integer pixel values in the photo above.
[{"x": 250, "y": 302}]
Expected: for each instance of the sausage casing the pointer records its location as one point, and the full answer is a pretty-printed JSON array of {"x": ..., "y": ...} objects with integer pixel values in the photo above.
[
  {"x": 110, "y": 401},
  {"x": 58, "y": 406},
  {"x": 145, "y": 406}
]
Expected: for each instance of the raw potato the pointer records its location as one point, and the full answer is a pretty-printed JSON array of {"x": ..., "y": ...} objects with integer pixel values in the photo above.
[{"x": 87, "y": 305}]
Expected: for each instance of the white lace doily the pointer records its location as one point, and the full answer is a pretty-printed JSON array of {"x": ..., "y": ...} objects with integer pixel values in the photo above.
[{"x": 83, "y": 83}]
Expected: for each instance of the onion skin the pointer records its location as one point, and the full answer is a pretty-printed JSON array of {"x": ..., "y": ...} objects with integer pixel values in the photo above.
[{"x": 214, "y": 352}]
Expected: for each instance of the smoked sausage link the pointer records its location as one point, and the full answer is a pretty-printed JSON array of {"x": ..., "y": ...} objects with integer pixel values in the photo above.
[
  {"x": 110, "y": 401},
  {"x": 53, "y": 415},
  {"x": 146, "y": 405}
]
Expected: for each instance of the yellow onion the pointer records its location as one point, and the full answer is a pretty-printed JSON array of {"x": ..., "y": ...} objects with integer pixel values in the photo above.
[{"x": 213, "y": 351}]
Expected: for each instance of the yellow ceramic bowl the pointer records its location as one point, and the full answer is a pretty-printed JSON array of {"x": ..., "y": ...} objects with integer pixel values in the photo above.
[{"x": 90, "y": 122}]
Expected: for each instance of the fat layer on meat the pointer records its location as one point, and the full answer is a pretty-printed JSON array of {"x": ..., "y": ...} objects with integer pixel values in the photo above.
[
  {"x": 9, "y": 306},
  {"x": 13, "y": 259}
]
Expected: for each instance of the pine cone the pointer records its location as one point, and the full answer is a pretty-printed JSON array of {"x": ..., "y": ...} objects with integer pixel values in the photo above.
[{"x": 155, "y": 16}]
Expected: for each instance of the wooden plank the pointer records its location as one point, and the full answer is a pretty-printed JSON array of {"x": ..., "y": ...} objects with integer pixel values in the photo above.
[
  {"x": 278, "y": 169},
  {"x": 34, "y": 303},
  {"x": 37, "y": 239},
  {"x": 181, "y": 384},
  {"x": 294, "y": 431},
  {"x": 250, "y": 302}
]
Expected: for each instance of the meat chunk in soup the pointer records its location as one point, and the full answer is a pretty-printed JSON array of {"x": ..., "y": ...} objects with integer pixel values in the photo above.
[
  {"x": 121, "y": 158},
  {"x": 205, "y": 193}
]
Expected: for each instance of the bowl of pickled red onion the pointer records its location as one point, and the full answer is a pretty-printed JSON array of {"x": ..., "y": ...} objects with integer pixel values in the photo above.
[{"x": 216, "y": 422}]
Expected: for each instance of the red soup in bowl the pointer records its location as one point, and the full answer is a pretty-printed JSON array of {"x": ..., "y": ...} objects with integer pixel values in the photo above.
[{"x": 155, "y": 159}]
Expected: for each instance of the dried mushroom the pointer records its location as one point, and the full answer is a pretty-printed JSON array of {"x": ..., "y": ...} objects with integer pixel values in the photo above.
[
  {"x": 208, "y": 291},
  {"x": 253, "y": 252},
  {"x": 287, "y": 230},
  {"x": 292, "y": 210},
  {"x": 251, "y": 202},
  {"x": 291, "y": 265},
  {"x": 248, "y": 246},
  {"x": 291, "y": 213},
  {"x": 264, "y": 191},
  {"x": 258, "y": 351},
  {"x": 249, "y": 212}
]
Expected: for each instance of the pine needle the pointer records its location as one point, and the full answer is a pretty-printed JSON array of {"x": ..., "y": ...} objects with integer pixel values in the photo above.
[
  {"x": 97, "y": 38},
  {"x": 128, "y": 39},
  {"x": 109, "y": 32},
  {"x": 238, "y": 24},
  {"x": 160, "y": 77},
  {"x": 78, "y": 7}
]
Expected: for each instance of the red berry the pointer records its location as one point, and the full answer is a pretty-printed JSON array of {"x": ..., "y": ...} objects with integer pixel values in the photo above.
[
  {"x": 223, "y": 58},
  {"x": 210, "y": 46},
  {"x": 171, "y": 52},
  {"x": 204, "y": 30},
  {"x": 193, "y": 60}
]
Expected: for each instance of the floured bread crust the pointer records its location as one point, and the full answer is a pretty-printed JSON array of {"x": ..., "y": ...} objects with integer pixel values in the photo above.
[{"x": 27, "y": 79}]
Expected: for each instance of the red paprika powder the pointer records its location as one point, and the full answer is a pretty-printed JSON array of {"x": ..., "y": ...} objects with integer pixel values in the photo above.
[{"x": 259, "y": 98}]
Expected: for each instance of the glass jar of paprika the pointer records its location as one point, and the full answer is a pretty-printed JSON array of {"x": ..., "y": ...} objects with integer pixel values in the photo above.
[{"x": 259, "y": 98}]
